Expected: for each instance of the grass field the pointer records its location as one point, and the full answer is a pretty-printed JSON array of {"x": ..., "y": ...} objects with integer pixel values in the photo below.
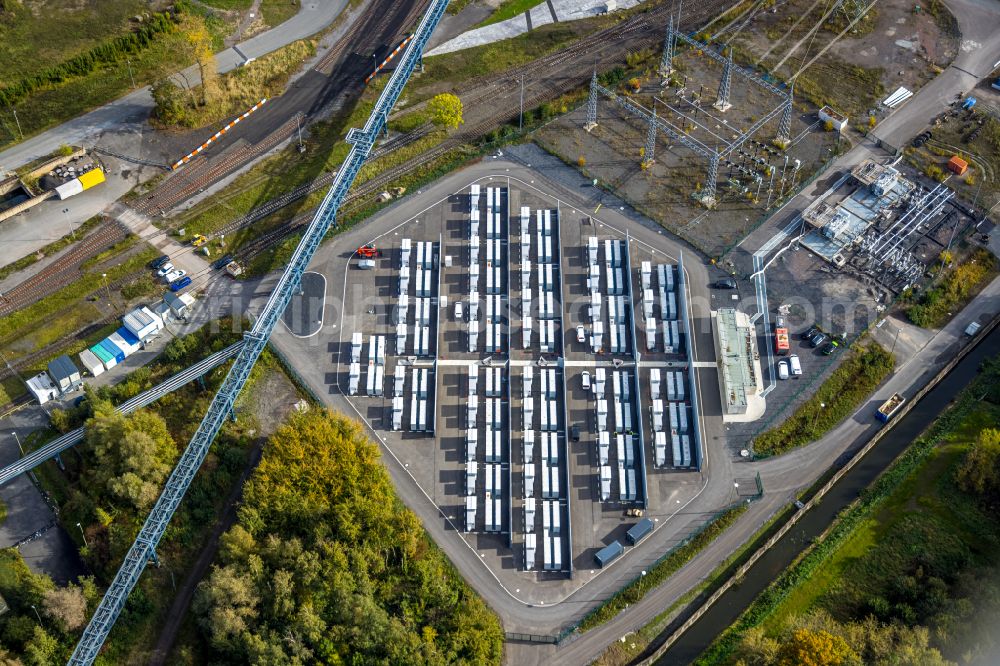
[
  {"x": 510, "y": 9},
  {"x": 915, "y": 551},
  {"x": 37, "y": 35}
]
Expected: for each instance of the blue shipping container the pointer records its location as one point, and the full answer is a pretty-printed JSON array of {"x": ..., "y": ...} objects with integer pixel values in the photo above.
[
  {"x": 113, "y": 349},
  {"x": 129, "y": 336}
]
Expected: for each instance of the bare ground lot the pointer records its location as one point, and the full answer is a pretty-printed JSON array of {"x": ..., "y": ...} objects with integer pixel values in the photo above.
[
  {"x": 898, "y": 43},
  {"x": 611, "y": 152}
]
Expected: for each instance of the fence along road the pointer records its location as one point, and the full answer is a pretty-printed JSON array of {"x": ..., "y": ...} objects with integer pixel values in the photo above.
[{"x": 144, "y": 547}]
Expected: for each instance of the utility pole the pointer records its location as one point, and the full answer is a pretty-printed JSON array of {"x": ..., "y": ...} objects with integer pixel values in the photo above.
[
  {"x": 18, "y": 440},
  {"x": 18, "y": 122},
  {"x": 83, "y": 535},
  {"x": 129, "y": 63},
  {"x": 104, "y": 278}
]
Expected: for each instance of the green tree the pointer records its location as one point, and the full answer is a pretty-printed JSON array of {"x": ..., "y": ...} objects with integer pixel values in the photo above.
[
  {"x": 446, "y": 110},
  {"x": 326, "y": 565},
  {"x": 979, "y": 472},
  {"x": 42, "y": 649},
  {"x": 134, "y": 454}
]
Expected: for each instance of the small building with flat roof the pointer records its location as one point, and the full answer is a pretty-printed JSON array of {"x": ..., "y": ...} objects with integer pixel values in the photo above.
[
  {"x": 735, "y": 350},
  {"x": 65, "y": 374}
]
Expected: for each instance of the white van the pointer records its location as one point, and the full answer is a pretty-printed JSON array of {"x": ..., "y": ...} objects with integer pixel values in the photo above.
[
  {"x": 793, "y": 360},
  {"x": 585, "y": 380},
  {"x": 458, "y": 310},
  {"x": 366, "y": 264}
]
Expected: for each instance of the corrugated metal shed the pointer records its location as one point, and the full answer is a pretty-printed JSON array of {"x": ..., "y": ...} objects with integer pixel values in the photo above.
[
  {"x": 64, "y": 373},
  {"x": 91, "y": 362}
]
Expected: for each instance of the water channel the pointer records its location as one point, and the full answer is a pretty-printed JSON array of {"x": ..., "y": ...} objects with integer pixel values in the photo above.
[{"x": 767, "y": 568}]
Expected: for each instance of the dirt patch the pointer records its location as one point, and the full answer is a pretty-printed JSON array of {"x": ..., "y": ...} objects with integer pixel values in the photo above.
[
  {"x": 751, "y": 180},
  {"x": 897, "y": 43},
  {"x": 274, "y": 398}
]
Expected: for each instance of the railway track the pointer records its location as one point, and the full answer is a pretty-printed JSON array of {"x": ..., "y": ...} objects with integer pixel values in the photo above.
[
  {"x": 63, "y": 270},
  {"x": 188, "y": 181},
  {"x": 545, "y": 78},
  {"x": 279, "y": 202}
]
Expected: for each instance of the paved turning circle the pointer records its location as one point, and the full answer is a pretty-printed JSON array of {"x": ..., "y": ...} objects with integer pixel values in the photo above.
[{"x": 304, "y": 315}]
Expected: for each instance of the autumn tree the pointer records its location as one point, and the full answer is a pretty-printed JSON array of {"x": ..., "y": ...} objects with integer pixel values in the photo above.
[
  {"x": 42, "y": 649},
  {"x": 815, "y": 648},
  {"x": 327, "y": 566},
  {"x": 134, "y": 454},
  {"x": 67, "y": 606},
  {"x": 446, "y": 110}
]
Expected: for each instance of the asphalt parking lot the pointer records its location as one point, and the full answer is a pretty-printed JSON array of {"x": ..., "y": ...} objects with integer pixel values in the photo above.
[{"x": 439, "y": 460}]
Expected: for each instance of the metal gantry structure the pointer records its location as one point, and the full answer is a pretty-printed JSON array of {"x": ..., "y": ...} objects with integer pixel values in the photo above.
[
  {"x": 724, "y": 147},
  {"x": 74, "y": 437},
  {"x": 144, "y": 548}
]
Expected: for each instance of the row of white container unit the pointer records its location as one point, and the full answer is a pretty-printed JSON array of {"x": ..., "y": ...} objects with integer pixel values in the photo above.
[
  {"x": 421, "y": 339},
  {"x": 546, "y": 330},
  {"x": 494, "y": 382},
  {"x": 550, "y": 447},
  {"x": 551, "y": 535},
  {"x": 425, "y": 254},
  {"x": 681, "y": 449},
  {"x": 494, "y": 415},
  {"x": 628, "y": 490},
  {"x": 550, "y": 480},
  {"x": 421, "y": 280},
  {"x": 668, "y": 304},
  {"x": 494, "y": 278},
  {"x": 623, "y": 415},
  {"x": 494, "y": 444},
  {"x": 493, "y": 497},
  {"x": 545, "y": 272},
  {"x": 549, "y": 412},
  {"x": 551, "y": 547},
  {"x": 493, "y": 198},
  {"x": 376, "y": 348},
  {"x": 675, "y": 388},
  {"x": 676, "y": 412},
  {"x": 671, "y": 336}
]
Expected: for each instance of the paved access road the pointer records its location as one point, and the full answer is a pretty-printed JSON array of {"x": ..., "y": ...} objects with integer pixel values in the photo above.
[{"x": 979, "y": 53}]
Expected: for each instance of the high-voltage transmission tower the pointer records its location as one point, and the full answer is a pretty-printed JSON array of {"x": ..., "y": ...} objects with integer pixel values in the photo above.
[
  {"x": 667, "y": 61},
  {"x": 144, "y": 548},
  {"x": 722, "y": 104}
]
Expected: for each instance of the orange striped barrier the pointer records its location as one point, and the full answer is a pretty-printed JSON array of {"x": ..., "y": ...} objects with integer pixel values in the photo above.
[
  {"x": 187, "y": 158},
  {"x": 388, "y": 58}
]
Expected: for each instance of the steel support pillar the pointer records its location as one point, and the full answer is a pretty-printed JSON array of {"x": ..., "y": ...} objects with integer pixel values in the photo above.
[
  {"x": 650, "y": 147},
  {"x": 708, "y": 194},
  {"x": 722, "y": 104},
  {"x": 592, "y": 104},
  {"x": 667, "y": 60},
  {"x": 785, "y": 124}
]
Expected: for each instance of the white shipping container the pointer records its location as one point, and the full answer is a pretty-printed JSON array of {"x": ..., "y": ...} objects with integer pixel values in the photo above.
[
  {"x": 370, "y": 379},
  {"x": 379, "y": 379},
  {"x": 473, "y": 335},
  {"x": 471, "y": 444},
  {"x": 529, "y": 480},
  {"x": 414, "y": 412},
  {"x": 529, "y": 514},
  {"x": 605, "y": 483},
  {"x": 603, "y": 444},
  {"x": 619, "y": 421},
  {"x": 529, "y": 447},
  {"x": 529, "y": 552},
  {"x": 660, "y": 448},
  {"x": 622, "y": 490},
  {"x": 654, "y": 383},
  {"x": 356, "y": 347},
  {"x": 470, "y": 514},
  {"x": 397, "y": 413}
]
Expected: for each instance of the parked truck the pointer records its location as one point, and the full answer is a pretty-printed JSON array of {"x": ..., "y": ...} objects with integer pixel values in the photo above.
[
  {"x": 781, "y": 346},
  {"x": 889, "y": 408}
]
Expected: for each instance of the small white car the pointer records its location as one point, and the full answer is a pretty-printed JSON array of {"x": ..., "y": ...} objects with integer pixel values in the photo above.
[
  {"x": 585, "y": 380},
  {"x": 782, "y": 369},
  {"x": 458, "y": 311},
  {"x": 793, "y": 361},
  {"x": 164, "y": 269},
  {"x": 174, "y": 275},
  {"x": 580, "y": 335}
]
